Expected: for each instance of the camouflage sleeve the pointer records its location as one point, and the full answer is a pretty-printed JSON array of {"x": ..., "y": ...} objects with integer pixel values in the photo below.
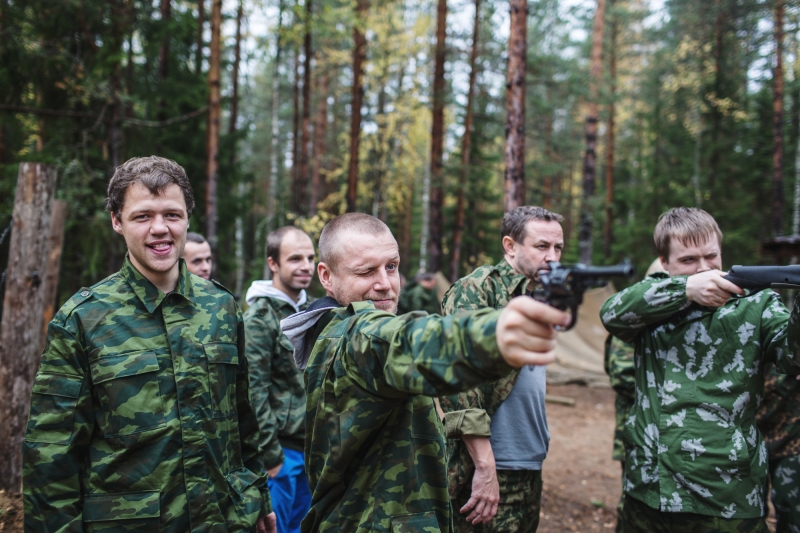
[
  {"x": 248, "y": 425},
  {"x": 620, "y": 368},
  {"x": 396, "y": 356},
  {"x": 780, "y": 333},
  {"x": 652, "y": 300},
  {"x": 261, "y": 332},
  {"x": 56, "y": 441}
]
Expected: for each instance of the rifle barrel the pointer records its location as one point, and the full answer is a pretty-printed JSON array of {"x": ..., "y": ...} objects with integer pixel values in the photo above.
[{"x": 762, "y": 277}]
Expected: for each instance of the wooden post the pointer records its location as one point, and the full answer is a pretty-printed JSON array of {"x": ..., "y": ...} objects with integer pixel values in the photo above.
[
  {"x": 57, "y": 220},
  {"x": 20, "y": 334}
]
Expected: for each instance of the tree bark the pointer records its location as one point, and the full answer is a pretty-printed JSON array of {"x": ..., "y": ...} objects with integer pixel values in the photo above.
[
  {"x": 590, "y": 157},
  {"x": 212, "y": 144},
  {"x": 295, "y": 203},
  {"x": 118, "y": 31},
  {"x": 21, "y": 331},
  {"x": 320, "y": 129},
  {"x": 305, "y": 134},
  {"x": 716, "y": 114},
  {"x": 436, "y": 220},
  {"x": 198, "y": 53},
  {"x": 515, "y": 107},
  {"x": 466, "y": 146},
  {"x": 58, "y": 219},
  {"x": 612, "y": 69},
  {"x": 275, "y": 136},
  {"x": 359, "y": 57},
  {"x": 237, "y": 55},
  {"x": 777, "y": 107},
  {"x": 163, "y": 56}
]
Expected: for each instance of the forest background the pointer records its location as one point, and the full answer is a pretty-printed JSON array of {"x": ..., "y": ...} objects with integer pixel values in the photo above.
[{"x": 417, "y": 111}]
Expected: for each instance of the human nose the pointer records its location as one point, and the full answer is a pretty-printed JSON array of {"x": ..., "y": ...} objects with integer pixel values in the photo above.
[
  {"x": 552, "y": 255},
  {"x": 382, "y": 281},
  {"x": 703, "y": 266},
  {"x": 158, "y": 225}
]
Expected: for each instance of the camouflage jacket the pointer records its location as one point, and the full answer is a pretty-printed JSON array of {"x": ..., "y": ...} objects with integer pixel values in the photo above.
[
  {"x": 415, "y": 297},
  {"x": 276, "y": 384},
  {"x": 779, "y": 416},
  {"x": 140, "y": 413},
  {"x": 691, "y": 439},
  {"x": 470, "y": 412},
  {"x": 619, "y": 367},
  {"x": 374, "y": 442}
]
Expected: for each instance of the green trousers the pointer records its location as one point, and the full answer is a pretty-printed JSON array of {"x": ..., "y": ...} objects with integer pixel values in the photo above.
[
  {"x": 784, "y": 476},
  {"x": 638, "y": 517},
  {"x": 518, "y": 511}
]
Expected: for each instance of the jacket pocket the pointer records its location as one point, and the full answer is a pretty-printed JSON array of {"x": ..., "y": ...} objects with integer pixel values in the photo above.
[
  {"x": 246, "y": 497},
  {"x": 415, "y": 523},
  {"x": 127, "y": 389},
  {"x": 53, "y": 401},
  {"x": 137, "y": 512},
  {"x": 223, "y": 362}
]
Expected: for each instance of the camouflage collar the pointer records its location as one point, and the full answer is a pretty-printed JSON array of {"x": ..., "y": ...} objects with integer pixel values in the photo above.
[
  {"x": 515, "y": 283},
  {"x": 148, "y": 293}
]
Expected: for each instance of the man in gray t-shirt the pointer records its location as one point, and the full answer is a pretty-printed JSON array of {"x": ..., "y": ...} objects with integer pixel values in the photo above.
[{"x": 498, "y": 435}]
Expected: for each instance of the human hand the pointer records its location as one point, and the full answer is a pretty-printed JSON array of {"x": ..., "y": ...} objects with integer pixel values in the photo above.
[
  {"x": 267, "y": 524},
  {"x": 710, "y": 288},
  {"x": 273, "y": 472},
  {"x": 482, "y": 504},
  {"x": 526, "y": 333}
]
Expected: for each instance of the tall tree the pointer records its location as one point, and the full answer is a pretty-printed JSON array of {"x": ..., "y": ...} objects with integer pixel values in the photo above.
[
  {"x": 436, "y": 220},
  {"x": 359, "y": 57},
  {"x": 320, "y": 129},
  {"x": 237, "y": 55},
  {"x": 612, "y": 73},
  {"x": 163, "y": 56},
  {"x": 306, "y": 125},
  {"x": 296, "y": 131},
  {"x": 198, "y": 52},
  {"x": 212, "y": 142},
  {"x": 515, "y": 107},
  {"x": 466, "y": 146},
  {"x": 274, "y": 134},
  {"x": 590, "y": 157},
  {"x": 777, "y": 107}
]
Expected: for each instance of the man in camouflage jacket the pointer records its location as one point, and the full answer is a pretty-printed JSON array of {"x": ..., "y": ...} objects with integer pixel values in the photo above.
[
  {"x": 420, "y": 295},
  {"x": 278, "y": 392},
  {"x": 694, "y": 456},
  {"x": 140, "y": 412},
  {"x": 779, "y": 422},
  {"x": 374, "y": 442},
  {"x": 495, "y": 476}
]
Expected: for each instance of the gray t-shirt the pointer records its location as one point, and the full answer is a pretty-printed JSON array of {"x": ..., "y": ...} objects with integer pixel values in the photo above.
[{"x": 520, "y": 437}]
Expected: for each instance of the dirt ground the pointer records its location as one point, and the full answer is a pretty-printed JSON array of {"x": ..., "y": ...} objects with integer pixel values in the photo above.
[{"x": 10, "y": 513}]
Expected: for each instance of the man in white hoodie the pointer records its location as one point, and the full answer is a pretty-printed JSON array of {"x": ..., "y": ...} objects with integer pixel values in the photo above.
[{"x": 276, "y": 384}]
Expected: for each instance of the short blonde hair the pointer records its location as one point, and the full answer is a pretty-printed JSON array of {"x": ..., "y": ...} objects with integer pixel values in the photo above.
[
  {"x": 329, "y": 245},
  {"x": 689, "y": 225}
]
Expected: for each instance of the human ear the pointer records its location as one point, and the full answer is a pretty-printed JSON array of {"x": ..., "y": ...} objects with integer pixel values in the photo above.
[
  {"x": 273, "y": 266},
  {"x": 324, "y": 273},
  {"x": 509, "y": 246},
  {"x": 116, "y": 224}
]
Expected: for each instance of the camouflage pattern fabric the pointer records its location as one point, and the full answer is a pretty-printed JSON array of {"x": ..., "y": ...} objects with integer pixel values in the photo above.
[
  {"x": 618, "y": 363},
  {"x": 691, "y": 439},
  {"x": 374, "y": 443},
  {"x": 140, "y": 414},
  {"x": 276, "y": 384},
  {"x": 491, "y": 286},
  {"x": 415, "y": 297},
  {"x": 639, "y": 517},
  {"x": 784, "y": 474},
  {"x": 519, "y": 508},
  {"x": 779, "y": 415}
]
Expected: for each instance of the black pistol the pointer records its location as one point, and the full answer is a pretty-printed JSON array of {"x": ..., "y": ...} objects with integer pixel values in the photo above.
[
  {"x": 758, "y": 278},
  {"x": 564, "y": 285}
]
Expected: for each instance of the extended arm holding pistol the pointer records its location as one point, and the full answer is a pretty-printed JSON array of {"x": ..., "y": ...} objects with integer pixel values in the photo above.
[{"x": 564, "y": 285}]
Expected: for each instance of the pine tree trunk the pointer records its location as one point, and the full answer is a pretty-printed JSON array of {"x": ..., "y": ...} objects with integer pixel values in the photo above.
[
  {"x": 198, "y": 53},
  {"x": 58, "y": 219},
  {"x": 275, "y": 136},
  {"x": 163, "y": 56},
  {"x": 320, "y": 129},
  {"x": 295, "y": 203},
  {"x": 359, "y": 57},
  {"x": 547, "y": 189},
  {"x": 436, "y": 220},
  {"x": 305, "y": 135},
  {"x": 23, "y": 305},
  {"x": 466, "y": 146},
  {"x": 777, "y": 107},
  {"x": 237, "y": 55},
  {"x": 590, "y": 158},
  {"x": 515, "y": 107},
  {"x": 716, "y": 114},
  {"x": 612, "y": 69},
  {"x": 212, "y": 144}
]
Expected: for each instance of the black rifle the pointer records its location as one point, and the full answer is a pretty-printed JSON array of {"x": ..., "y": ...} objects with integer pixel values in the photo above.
[
  {"x": 564, "y": 285},
  {"x": 758, "y": 278}
]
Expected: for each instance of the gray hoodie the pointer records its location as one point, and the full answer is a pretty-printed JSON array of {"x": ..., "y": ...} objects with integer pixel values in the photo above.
[
  {"x": 300, "y": 327},
  {"x": 261, "y": 288}
]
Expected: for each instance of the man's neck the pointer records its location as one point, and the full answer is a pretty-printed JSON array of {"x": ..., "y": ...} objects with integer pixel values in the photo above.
[
  {"x": 294, "y": 295},
  {"x": 163, "y": 281}
]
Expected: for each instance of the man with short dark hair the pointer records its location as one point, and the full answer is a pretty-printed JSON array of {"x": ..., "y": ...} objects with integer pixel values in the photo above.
[
  {"x": 197, "y": 254},
  {"x": 498, "y": 432},
  {"x": 140, "y": 413},
  {"x": 276, "y": 383},
  {"x": 375, "y": 447},
  {"x": 694, "y": 458}
]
